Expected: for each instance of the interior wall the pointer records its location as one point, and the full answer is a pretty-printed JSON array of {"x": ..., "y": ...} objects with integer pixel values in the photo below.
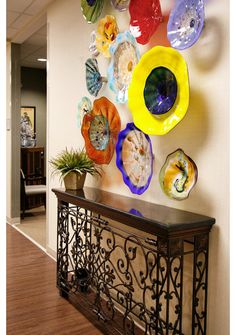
[
  {"x": 13, "y": 133},
  {"x": 202, "y": 134},
  {"x": 33, "y": 93},
  {"x": 8, "y": 133}
]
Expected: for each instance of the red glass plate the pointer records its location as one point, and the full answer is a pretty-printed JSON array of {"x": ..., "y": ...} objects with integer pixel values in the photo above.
[{"x": 145, "y": 17}]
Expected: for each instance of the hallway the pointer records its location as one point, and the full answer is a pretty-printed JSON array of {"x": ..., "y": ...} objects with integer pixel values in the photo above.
[
  {"x": 34, "y": 226},
  {"x": 34, "y": 306}
]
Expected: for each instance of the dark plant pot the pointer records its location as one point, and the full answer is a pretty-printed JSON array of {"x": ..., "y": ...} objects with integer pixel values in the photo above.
[{"x": 82, "y": 276}]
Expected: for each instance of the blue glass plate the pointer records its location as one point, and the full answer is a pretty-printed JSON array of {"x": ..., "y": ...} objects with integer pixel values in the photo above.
[
  {"x": 94, "y": 80},
  {"x": 124, "y": 57},
  {"x": 99, "y": 132},
  {"x": 185, "y": 23},
  {"x": 160, "y": 90},
  {"x": 134, "y": 158}
]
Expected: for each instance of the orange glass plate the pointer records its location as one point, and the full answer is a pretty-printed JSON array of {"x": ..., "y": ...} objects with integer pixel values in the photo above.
[{"x": 100, "y": 129}]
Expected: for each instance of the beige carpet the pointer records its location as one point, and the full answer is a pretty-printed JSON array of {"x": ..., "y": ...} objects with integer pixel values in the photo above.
[{"x": 34, "y": 225}]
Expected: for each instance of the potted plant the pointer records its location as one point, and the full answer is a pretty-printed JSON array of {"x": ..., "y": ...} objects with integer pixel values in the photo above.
[{"x": 72, "y": 165}]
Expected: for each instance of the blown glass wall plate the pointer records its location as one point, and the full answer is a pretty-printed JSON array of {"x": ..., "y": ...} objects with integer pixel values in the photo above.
[
  {"x": 94, "y": 80},
  {"x": 134, "y": 158},
  {"x": 120, "y": 5},
  {"x": 160, "y": 90},
  {"x": 100, "y": 130},
  {"x": 91, "y": 9},
  {"x": 92, "y": 46},
  {"x": 158, "y": 95},
  {"x": 125, "y": 56},
  {"x": 185, "y": 23},
  {"x": 84, "y": 106},
  {"x": 178, "y": 175},
  {"x": 106, "y": 34},
  {"x": 145, "y": 17}
]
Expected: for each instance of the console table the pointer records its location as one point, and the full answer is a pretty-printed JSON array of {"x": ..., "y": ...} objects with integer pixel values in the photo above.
[{"x": 132, "y": 267}]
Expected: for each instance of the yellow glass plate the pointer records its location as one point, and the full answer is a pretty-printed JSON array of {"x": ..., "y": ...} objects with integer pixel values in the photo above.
[{"x": 143, "y": 119}]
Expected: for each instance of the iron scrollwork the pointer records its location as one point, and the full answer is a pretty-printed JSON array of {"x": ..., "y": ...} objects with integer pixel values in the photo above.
[
  {"x": 133, "y": 281},
  {"x": 200, "y": 268}
]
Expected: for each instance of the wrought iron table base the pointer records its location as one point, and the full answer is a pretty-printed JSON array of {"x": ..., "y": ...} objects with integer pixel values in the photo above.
[{"x": 132, "y": 282}]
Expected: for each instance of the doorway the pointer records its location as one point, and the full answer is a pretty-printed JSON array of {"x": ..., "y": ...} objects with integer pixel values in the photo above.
[{"x": 33, "y": 134}]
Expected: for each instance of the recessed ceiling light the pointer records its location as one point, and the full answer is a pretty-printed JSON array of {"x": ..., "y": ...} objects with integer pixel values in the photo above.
[{"x": 42, "y": 59}]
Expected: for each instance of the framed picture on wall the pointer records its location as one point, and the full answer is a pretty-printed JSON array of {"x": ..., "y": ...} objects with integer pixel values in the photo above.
[
  {"x": 29, "y": 113},
  {"x": 28, "y": 126}
]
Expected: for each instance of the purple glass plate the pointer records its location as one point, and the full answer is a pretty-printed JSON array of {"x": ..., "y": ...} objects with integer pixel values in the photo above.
[
  {"x": 185, "y": 23},
  {"x": 134, "y": 158}
]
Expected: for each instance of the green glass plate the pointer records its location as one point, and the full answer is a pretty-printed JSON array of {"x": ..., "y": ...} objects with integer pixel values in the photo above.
[{"x": 91, "y": 9}]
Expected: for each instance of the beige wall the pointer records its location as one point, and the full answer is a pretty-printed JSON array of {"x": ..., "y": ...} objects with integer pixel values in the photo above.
[
  {"x": 202, "y": 134},
  {"x": 8, "y": 134},
  {"x": 13, "y": 132}
]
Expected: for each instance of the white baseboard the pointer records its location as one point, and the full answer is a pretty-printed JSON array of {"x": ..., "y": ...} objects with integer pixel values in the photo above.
[
  {"x": 52, "y": 253},
  {"x": 12, "y": 221}
]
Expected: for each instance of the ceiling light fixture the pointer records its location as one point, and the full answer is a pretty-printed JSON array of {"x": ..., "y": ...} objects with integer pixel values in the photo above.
[{"x": 42, "y": 59}]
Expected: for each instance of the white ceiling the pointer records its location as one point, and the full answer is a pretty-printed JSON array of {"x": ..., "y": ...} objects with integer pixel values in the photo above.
[
  {"x": 26, "y": 25},
  {"x": 33, "y": 48}
]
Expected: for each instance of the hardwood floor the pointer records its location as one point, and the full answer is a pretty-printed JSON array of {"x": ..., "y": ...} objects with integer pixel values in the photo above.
[
  {"x": 34, "y": 306},
  {"x": 34, "y": 225}
]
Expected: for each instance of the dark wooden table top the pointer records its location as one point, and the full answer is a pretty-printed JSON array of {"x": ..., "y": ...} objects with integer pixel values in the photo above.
[{"x": 137, "y": 213}]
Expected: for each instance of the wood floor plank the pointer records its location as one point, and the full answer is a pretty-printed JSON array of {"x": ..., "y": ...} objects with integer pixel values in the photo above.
[{"x": 34, "y": 306}]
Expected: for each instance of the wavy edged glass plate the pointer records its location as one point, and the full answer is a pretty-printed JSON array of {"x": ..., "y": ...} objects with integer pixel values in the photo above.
[
  {"x": 158, "y": 95},
  {"x": 84, "y": 106},
  {"x": 178, "y": 175},
  {"x": 134, "y": 158},
  {"x": 92, "y": 9},
  {"x": 94, "y": 80},
  {"x": 125, "y": 56},
  {"x": 145, "y": 17},
  {"x": 106, "y": 34},
  {"x": 120, "y": 5},
  {"x": 185, "y": 23},
  {"x": 100, "y": 129}
]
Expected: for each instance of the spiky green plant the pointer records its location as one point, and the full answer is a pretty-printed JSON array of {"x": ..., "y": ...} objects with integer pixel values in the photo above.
[{"x": 73, "y": 161}]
